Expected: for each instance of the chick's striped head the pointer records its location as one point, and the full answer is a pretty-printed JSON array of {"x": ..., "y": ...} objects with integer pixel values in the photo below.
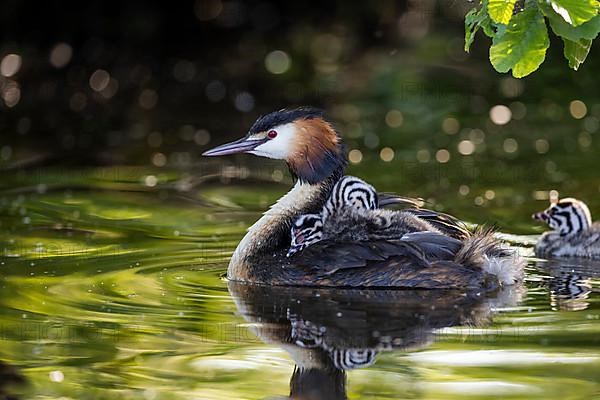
[
  {"x": 567, "y": 216},
  {"x": 306, "y": 230},
  {"x": 353, "y": 193}
]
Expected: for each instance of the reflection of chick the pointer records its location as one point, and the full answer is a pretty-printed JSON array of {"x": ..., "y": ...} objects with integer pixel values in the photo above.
[
  {"x": 569, "y": 292},
  {"x": 573, "y": 234}
]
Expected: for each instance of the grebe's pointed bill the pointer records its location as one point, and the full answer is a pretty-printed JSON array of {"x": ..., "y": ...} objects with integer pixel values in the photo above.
[{"x": 242, "y": 145}]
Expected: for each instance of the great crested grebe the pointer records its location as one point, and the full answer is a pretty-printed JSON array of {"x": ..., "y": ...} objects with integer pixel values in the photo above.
[
  {"x": 315, "y": 155},
  {"x": 573, "y": 234}
]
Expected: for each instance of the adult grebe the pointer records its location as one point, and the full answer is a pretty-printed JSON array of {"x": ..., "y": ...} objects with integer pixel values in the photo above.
[
  {"x": 573, "y": 234},
  {"x": 315, "y": 155}
]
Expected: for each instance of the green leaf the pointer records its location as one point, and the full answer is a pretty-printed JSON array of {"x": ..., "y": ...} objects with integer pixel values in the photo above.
[
  {"x": 588, "y": 30},
  {"x": 575, "y": 12},
  {"x": 471, "y": 27},
  {"x": 473, "y": 21},
  {"x": 522, "y": 47},
  {"x": 501, "y": 11},
  {"x": 479, "y": 18},
  {"x": 576, "y": 52},
  {"x": 500, "y": 30}
]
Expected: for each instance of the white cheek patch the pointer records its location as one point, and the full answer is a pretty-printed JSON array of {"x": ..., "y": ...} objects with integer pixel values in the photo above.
[{"x": 279, "y": 148}]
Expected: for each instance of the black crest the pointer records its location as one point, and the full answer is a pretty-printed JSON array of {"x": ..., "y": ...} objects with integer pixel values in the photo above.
[{"x": 276, "y": 118}]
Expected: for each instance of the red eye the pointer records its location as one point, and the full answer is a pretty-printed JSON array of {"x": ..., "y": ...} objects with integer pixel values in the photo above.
[{"x": 272, "y": 134}]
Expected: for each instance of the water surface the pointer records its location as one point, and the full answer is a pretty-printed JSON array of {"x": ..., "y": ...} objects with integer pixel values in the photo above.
[{"x": 112, "y": 287}]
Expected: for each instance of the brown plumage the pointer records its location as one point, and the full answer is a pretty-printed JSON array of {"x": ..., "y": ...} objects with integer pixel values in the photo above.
[{"x": 316, "y": 150}]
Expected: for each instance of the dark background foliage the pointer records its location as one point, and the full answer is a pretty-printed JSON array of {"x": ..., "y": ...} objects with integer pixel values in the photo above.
[{"x": 155, "y": 83}]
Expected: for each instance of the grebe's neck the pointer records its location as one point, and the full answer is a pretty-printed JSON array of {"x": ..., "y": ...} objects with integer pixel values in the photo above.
[{"x": 272, "y": 231}]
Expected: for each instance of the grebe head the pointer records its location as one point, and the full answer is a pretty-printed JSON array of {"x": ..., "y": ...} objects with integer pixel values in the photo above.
[
  {"x": 566, "y": 216},
  {"x": 306, "y": 230},
  {"x": 302, "y": 137}
]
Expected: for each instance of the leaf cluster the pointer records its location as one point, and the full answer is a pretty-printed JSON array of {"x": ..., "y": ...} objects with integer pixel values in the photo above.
[{"x": 519, "y": 31}]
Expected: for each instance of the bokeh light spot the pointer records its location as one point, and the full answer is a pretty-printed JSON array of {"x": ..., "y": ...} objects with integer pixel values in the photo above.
[
  {"x": 150, "y": 181},
  {"x": 466, "y": 147},
  {"x": 584, "y": 139},
  {"x": 386, "y": 154},
  {"x": 56, "y": 376},
  {"x": 355, "y": 156},
  {"x": 591, "y": 124},
  {"x": 61, "y": 55},
  {"x": 277, "y": 175},
  {"x": 99, "y": 80},
  {"x": 477, "y": 136},
  {"x": 450, "y": 125},
  {"x": 423, "y": 155},
  {"x": 510, "y": 145},
  {"x": 500, "y": 115},
  {"x": 394, "y": 118},
  {"x": 277, "y": 62},
  {"x": 244, "y": 102},
  {"x": 578, "y": 109},
  {"x": 10, "y": 93},
  {"x": 442, "y": 156},
  {"x": 10, "y": 65},
  {"x": 202, "y": 137},
  {"x": 542, "y": 146},
  {"x": 5, "y": 153},
  {"x": 111, "y": 89},
  {"x": 148, "y": 99},
  {"x": 215, "y": 91},
  {"x": 159, "y": 159}
]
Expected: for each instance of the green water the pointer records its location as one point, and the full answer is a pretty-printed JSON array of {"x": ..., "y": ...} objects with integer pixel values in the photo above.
[{"x": 112, "y": 287}]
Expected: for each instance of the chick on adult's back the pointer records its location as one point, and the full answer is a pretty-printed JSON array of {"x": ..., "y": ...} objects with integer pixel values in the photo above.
[{"x": 351, "y": 214}]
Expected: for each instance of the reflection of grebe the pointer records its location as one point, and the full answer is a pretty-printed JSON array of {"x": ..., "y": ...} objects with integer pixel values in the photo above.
[
  {"x": 328, "y": 331},
  {"x": 447, "y": 257},
  {"x": 573, "y": 234},
  {"x": 569, "y": 292},
  {"x": 570, "y": 282}
]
